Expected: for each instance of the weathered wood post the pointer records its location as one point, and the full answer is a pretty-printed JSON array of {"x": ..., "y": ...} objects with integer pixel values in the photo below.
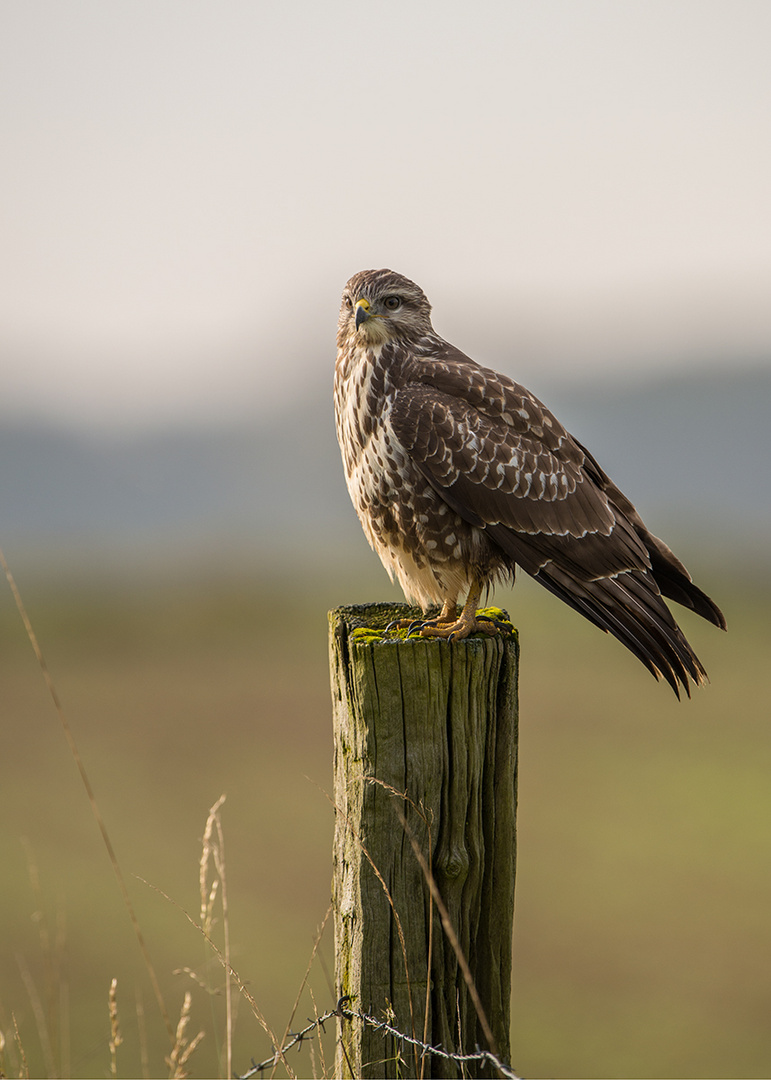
[{"x": 425, "y": 754}]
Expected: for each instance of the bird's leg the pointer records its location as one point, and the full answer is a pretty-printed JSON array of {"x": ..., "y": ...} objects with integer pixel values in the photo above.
[
  {"x": 450, "y": 626},
  {"x": 465, "y": 624},
  {"x": 448, "y": 614}
]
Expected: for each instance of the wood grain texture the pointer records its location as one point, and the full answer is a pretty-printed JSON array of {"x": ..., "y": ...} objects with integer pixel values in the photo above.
[{"x": 425, "y": 731}]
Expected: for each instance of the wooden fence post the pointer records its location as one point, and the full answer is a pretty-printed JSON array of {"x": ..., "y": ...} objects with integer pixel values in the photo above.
[{"x": 425, "y": 754}]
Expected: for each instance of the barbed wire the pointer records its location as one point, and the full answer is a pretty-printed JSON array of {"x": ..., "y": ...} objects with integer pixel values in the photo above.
[{"x": 296, "y": 1038}]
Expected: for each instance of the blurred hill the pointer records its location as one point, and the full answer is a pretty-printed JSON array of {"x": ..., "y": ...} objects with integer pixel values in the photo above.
[{"x": 691, "y": 450}]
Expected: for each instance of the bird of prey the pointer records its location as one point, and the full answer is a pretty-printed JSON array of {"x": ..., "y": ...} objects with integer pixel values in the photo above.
[{"x": 459, "y": 475}]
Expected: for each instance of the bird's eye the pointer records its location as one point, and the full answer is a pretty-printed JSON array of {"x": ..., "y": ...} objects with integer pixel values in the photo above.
[
  {"x": 348, "y": 301},
  {"x": 393, "y": 302}
]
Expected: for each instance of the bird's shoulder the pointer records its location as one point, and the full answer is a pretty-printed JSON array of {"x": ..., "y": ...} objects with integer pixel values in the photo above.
[
  {"x": 495, "y": 451},
  {"x": 443, "y": 389}
]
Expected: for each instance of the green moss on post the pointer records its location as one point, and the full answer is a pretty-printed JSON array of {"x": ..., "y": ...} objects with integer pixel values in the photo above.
[{"x": 435, "y": 722}]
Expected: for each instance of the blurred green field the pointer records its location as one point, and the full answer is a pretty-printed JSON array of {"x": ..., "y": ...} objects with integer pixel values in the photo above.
[{"x": 642, "y": 941}]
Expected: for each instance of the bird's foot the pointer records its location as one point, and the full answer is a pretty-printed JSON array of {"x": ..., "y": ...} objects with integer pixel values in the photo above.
[
  {"x": 467, "y": 623},
  {"x": 448, "y": 614},
  {"x": 449, "y": 626},
  {"x": 412, "y": 626}
]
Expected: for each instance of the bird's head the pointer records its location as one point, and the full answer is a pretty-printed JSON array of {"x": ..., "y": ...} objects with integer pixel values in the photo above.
[{"x": 380, "y": 305}]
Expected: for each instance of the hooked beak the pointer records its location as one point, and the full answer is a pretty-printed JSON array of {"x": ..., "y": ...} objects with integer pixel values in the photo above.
[{"x": 362, "y": 312}]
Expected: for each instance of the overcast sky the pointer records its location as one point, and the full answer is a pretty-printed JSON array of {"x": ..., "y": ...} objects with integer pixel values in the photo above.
[{"x": 186, "y": 186}]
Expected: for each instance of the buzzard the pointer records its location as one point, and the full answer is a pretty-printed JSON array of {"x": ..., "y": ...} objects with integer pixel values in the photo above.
[{"x": 459, "y": 475}]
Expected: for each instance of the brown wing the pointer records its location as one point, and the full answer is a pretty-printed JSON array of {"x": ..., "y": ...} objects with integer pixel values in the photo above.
[{"x": 502, "y": 461}]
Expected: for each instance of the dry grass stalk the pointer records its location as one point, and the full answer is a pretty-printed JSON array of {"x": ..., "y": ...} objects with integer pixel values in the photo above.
[
  {"x": 50, "y": 1004},
  {"x": 319, "y": 1040},
  {"x": 3, "y": 1066},
  {"x": 196, "y": 978},
  {"x": 213, "y": 853},
  {"x": 242, "y": 987},
  {"x": 54, "y": 694},
  {"x": 115, "y": 1036},
  {"x": 182, "y": 1050},
  {"x": 23, "y": 1066},
  {"x": 314, "y": 950},
  {"x": 44, "y": 1034},
  {"x": 208, "y": 855}
]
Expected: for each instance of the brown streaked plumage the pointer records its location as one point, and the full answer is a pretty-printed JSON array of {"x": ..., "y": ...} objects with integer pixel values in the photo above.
[{"x": 458, "y": 475}]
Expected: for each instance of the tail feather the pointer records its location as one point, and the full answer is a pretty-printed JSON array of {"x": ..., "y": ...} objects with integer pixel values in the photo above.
[
  {"x": 626, "y": 600},
  {"x": 671, "y": 576},
  {"x": 675, "y": 582},
  {"x": 630, "y": 608}
]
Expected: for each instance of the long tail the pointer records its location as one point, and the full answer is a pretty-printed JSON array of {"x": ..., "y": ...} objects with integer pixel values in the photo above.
[
  {"x": 675, "y": 581},
  {"x": 618, "y": 583},
  {"x": 629, "y": 606}
]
